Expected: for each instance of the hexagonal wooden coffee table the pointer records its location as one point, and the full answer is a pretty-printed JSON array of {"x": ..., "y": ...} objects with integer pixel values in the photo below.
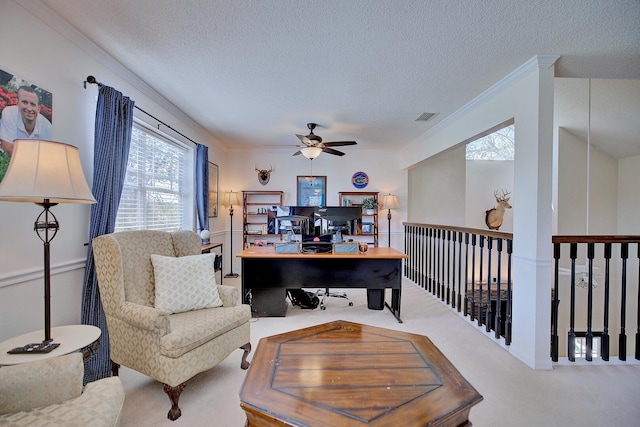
[{"x": 347, "y": 374}]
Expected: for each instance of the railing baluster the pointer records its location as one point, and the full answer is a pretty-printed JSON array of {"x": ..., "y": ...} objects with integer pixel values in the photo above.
[
  {"x": 448, "y": 267},
  {"x": 638, "y": 310},
  {"x": 406, "y": 249},
  {"x": 434, "y": 260},
  {"x": 604, "y": 340},
  {"x": 460, "y": 270},
  {"x": 424, "y": 258},
  {"x": 413, "y": 256},
  {"x": 590, "y": 255},
  {"x": 432, "y": 250},
  {"x": 554, "y": 305},
  {"x": 473, "y": 277},
  {"x": 466, "y": 274},
  {"x": 571, "y": 342},
  {"x": 622, "y": 337},
  {"x": 507, "y": 327},
  {"x": 488, "y": 315},
  {"x": 434, "y": 253},
  {"x": 481, "y": 308},
  {"x": 419, "y": 255},
  {"x": 442, "y": 270},
  {"x": 425, "y": 255},
  {"x": 497, "y": 323},
  {"x": 453, "y": 295},
  {"x": 436, "y": 290}
]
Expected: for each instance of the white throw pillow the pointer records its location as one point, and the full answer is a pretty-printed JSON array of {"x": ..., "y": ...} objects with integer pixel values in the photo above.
[{"x": 185, "y": 283}]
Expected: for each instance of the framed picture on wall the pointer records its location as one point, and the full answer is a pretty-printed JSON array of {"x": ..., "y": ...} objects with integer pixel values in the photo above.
[
  {"x": 22, "y": 106},
  {"x": 312, "y": 191},
  {"x": 213, "y": 190}
]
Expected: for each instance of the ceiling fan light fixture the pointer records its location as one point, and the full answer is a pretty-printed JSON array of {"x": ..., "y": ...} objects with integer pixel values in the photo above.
[{"x": 311, "y": 152}]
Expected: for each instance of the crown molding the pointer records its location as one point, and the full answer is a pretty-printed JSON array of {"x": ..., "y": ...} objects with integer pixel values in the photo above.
[{"x": 538, "y": 62}]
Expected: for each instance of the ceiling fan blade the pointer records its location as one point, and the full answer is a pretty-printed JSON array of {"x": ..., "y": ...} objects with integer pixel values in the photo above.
[
  {"x": 306, "y": 141},
  {"x": 332, "y": 151},
  {"x": 339, "y": 143},
  {"x": 297, "y": 153}
]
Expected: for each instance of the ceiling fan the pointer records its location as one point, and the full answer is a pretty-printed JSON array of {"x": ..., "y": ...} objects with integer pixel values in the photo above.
[{"x": 314, "y": 145}]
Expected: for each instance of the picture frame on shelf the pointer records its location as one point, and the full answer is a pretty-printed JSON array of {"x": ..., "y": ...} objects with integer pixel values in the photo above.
[
  {"x": 367, "y": 228},
  {"x": 213, "y": 190},
  {"x": 311, "y": 191}
]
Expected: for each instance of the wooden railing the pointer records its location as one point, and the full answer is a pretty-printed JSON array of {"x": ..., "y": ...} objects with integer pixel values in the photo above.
[
  {"x": 606, "y": 248},
  {"x": 470, "y": 270},
  {"x": 450, "y": 262}
]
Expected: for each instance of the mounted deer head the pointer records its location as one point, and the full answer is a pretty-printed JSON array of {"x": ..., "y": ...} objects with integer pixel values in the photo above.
[
  {"x": 264, "y": 175},
  {"x": 494, "y": 216}
]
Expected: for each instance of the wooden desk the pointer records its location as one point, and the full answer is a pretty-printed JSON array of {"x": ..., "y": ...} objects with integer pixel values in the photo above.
[
  {"x": 375, "y": 270},
  {"x": 352, "y": 375},
  {"x": 71, "y": 338}
]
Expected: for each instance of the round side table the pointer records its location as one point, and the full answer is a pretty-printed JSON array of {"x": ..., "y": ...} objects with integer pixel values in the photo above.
[{"x": 70, "y": 337}]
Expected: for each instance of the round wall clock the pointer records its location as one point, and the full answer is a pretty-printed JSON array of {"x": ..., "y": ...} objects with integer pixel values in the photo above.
[{"x": 360, "y": 180}]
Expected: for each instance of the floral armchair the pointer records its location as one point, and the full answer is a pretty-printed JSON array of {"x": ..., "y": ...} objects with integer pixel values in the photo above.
[
  {"x": 50, "y": 392},
  {"x": 167, "y": 342}
]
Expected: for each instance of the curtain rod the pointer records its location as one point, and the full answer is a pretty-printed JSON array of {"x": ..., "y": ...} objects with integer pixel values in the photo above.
[{"x": 92, "y": 80}]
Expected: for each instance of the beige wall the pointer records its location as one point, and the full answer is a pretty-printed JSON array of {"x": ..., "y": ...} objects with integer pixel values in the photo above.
[
  {"x": 437, "y": 188},
  {"x": 629, "y": 196}
]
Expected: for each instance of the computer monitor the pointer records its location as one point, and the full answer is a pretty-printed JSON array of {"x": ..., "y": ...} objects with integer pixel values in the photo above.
[
  {"x": 346, "y": 219},
  {"x": 299, "y": 219},
  {"x": 314, "y": 221}
]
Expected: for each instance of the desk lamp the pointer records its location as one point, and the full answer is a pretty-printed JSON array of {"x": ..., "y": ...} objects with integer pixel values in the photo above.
[
  {"x": 390, "y": 201},
  {"x": 231, "y": 198},
  {"x": 45, "y": 173}
]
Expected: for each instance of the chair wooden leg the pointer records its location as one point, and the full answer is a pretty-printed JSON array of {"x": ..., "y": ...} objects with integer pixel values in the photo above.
[
  {"x": 115, "y": 368},
  {"x": 174, "y": 396},
  {"x": 247, "y": 348}
]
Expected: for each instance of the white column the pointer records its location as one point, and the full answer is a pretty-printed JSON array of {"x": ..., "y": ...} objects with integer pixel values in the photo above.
[{"x": 533, "y": 218}]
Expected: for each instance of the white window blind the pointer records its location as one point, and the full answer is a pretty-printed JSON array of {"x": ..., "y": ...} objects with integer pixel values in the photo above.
[{"x": 158, "y": 189}]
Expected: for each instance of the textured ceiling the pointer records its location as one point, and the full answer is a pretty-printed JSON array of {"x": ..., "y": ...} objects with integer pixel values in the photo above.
[{"x": 254, "y": 72}]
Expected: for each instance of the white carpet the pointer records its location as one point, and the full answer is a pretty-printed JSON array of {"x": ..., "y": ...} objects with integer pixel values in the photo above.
[{"x": 514, "y": 394}]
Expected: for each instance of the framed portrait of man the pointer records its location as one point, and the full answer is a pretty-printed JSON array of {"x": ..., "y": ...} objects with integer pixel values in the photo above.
[{"x": 25, "y": 113}]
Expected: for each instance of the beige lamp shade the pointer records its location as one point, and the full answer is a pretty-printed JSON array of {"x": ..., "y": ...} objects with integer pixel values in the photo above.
[
  {"x": 231, "y": 198},
  {"x": 311, "y": 152},
  {"x": 390, "y": 201},
  {"x": 41, "y": 170}
]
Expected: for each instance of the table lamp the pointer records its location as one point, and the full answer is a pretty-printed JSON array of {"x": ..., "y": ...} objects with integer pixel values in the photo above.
[
  {"x": 389, "y": 202},
  {"x": 231, "y": 198},
  {"x": 45, "y": 173}
]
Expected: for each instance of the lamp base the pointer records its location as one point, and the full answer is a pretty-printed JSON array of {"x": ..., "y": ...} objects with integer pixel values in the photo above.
[
  {"x": 231, "y": 275},
  {"x": 40, "y": 347}
]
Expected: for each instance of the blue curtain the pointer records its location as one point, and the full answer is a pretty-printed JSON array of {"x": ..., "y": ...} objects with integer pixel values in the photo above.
[
  {"x": 114, "y": 122},
  {"x": 202, "y": 185}
]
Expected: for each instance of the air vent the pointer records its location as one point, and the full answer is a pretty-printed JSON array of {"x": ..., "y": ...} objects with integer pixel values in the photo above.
[{"x": 426, "y": 117}]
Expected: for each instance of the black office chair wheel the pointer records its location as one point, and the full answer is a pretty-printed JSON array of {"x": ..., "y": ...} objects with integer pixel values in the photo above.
[
  {"x": 322, "y": 307},
  {"x": 350, "y": 304}
]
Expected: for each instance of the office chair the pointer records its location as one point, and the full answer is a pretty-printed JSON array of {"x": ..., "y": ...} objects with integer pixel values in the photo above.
[
  {"x": 323, "y": 294},
  {"x": 336, "y": 229}
]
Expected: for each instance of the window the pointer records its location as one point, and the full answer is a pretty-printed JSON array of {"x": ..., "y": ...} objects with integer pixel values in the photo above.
[
  {"x": 498, "y": 145},
  {"x": 159, "y": 188},
  {"x": 580, "y": 351}
]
